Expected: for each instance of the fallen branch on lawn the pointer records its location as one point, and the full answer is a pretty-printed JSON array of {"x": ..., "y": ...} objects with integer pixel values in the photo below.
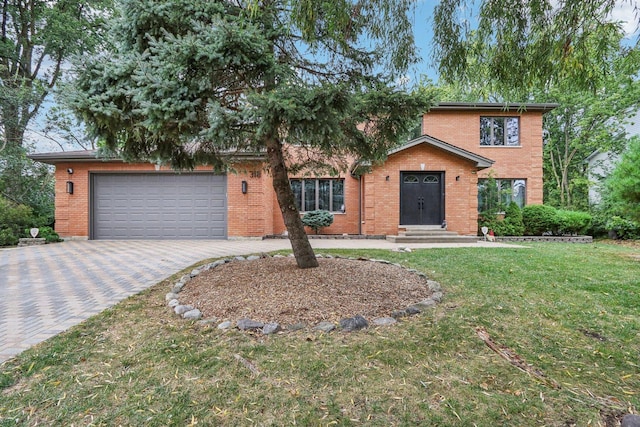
[
  {"x": 509, "y": 355},
  {"x": 250, "y": 366}
]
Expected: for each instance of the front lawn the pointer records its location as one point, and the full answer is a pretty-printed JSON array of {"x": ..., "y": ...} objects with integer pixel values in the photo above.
[{"x": 568, "y": 314}]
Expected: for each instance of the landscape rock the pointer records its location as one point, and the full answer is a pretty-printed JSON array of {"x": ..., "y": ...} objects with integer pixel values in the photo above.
[
  {"x": 412, "y": 310},
  {"x": 425, "y": 304},
  {"x": 630, "y": 420},
  {"x": 194, "y": 314},
  {"x": 353, "y": 323},
  {"x": 177, "y": 288},
  {"x": 246, "y": 324},
  {"x": 207, "y": 322},
  {"x": 384, "y": 321},
  {"x": 170, "y": 296},
  {"x": 240, "y": 258},
  {"x": 437, "y": 296},
  {"x": 225, "y": 325},
  {"x": 184, "y": 279},
  {"x": 296, "y": 327},
  {"x": 195, "y": 272},
  {"x": 271, "y": 328},
  {"x": 396, "y": 314},
  {"x": 325, "y": 327},
  {"x": 173, "y": 303},
  {"x": 434, "y": 286},
  {"x": 253, "y": 257},
  {"x": 181, "y": 309}
]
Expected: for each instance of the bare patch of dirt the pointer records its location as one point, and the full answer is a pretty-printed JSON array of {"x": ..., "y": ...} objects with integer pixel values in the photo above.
[{"x": 276, "y": 290}]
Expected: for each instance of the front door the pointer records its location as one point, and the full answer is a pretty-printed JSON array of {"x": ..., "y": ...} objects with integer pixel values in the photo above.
[{"x": 421, "y": 198}]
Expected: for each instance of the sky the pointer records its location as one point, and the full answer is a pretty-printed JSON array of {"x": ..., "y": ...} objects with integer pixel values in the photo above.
[{"x": 423, "y": 34}]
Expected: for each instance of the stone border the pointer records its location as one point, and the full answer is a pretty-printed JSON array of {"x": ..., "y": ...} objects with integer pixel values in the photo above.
[
  {"x": 556, "y": 239},
  {"x": 349, "y": 324}
]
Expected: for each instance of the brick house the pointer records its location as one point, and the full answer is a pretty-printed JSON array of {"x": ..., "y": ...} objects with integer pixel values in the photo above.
[{"x": 425, "y": 182}]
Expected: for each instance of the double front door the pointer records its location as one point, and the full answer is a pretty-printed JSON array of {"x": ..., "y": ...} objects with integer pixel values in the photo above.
[{"x": 421, "y": 198}]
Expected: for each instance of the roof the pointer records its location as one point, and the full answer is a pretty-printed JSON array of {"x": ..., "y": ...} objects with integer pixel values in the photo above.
[
  {"x": 494, "y": 106},
  {"x": 68, "y": 156},
  {"x": 480, "y": 161},
  {"x": 92, "y": 156}
]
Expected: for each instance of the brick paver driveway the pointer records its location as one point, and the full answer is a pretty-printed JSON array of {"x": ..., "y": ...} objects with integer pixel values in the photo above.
[{"x": 47, "y": 289}]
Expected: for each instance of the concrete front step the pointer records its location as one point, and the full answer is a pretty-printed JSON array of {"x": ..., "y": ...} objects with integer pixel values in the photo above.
[
  {"x": 434, "y": 232},
  {"x": 434, "y": 239}
]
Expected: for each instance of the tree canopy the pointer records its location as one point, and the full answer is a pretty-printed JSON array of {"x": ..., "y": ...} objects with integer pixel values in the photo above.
[
  {"x": 624, "y": 182},
  {"x": 524, "y": 44},
  {"x": 196, "y": 81}
]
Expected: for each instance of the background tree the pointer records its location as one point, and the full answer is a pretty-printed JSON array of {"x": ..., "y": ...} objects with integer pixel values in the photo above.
[
  {"x": 586, "y": 121},
  {"x": 194, "y": 81},
  {"x": 525, "y": 44},
  {"x": 624, "y": 182},
  {"x": 36, "y": 38}
]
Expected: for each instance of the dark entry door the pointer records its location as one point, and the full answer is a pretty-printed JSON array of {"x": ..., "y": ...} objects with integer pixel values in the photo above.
[{"x": 421, "y": 198}]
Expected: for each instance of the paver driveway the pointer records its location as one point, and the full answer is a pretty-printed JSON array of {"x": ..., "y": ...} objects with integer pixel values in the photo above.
[{"x": 47, "y": 289}]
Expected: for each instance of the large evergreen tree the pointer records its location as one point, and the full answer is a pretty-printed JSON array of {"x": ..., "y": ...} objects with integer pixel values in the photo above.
[{"x": 194, "y": 81}]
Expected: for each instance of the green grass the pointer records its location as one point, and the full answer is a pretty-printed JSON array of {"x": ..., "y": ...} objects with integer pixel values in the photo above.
[{"x": 570, "y": 311}]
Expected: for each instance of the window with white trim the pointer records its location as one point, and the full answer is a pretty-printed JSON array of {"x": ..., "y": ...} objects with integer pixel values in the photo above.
[
  {"x": 500, "y": 131},
  {"x": 319, "y": 194}
]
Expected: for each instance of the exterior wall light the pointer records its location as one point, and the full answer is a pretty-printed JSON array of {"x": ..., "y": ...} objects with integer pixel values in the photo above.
[
  {"x": 244, "y": 187},
  {"x": 70, "y": 187}
]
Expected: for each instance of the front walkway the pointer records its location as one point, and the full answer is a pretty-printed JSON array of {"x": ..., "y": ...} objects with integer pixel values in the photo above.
[{"x": 47, "y": 289}]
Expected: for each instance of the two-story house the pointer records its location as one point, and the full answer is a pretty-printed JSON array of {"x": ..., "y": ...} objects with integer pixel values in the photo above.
[{"x": 430, "y": 180}]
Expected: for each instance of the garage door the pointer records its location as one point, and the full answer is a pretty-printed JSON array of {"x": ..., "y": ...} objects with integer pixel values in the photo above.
[{"x": 158, "y": 206}]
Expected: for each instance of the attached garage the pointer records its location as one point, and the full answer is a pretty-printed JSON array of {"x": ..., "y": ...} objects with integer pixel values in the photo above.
[{"x": 158, "y": 206}]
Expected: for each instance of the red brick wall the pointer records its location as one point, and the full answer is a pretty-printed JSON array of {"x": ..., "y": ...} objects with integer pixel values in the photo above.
[
  {"x": 462, "y": 129},
  {"x": 248, "y": 214},
  {"x": 382, "y": 197},
  {"x": 343, "y": 223},
  {"x": 257, "y": 213}
]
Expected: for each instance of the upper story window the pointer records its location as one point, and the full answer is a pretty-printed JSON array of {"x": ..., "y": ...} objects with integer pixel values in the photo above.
[
  {"x": 318, "y": 194},
  {"x": 500, "y": 131}
]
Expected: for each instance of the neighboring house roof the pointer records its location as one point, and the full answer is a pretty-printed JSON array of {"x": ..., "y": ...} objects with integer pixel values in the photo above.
[
  {"x": 492, "y": 106},
  {"x": 480, "y": 161}
]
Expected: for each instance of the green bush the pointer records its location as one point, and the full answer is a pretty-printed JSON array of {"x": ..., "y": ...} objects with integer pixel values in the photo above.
[
  {"x": 511, "y": 225},
  {"x": 46, "y": 233},
  {"x": 572, "y": 222},
  {"x": 13, "y": 219},
  {"x": 317, "y": 219},
  {"x": 623, "y": 228},
  {"x": 539, "y": 219}
]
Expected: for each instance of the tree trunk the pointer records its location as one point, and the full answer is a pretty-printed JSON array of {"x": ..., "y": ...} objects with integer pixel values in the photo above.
[{"x": 302, "y": 250}]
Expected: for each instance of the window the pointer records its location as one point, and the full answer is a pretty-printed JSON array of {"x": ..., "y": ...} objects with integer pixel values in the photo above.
[
  {"x": 494, "y": 195},
  {"x": 500, "y": 131},
  {"x": 314, "y": 194}
]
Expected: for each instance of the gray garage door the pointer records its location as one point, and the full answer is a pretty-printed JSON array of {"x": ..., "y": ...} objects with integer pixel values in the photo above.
[{"x": 158, "y": 206}]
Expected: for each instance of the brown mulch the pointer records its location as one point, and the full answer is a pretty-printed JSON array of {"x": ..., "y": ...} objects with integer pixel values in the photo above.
[{"x": 276, "y": 290}]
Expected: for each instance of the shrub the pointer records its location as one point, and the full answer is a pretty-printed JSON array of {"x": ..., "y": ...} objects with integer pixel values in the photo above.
[
  {"x": 622, "y": 228},
  {"x": 511, "y": 225},
  {"x": 539, "y": 219},
  {"x": 13, "y": 218},
  {"x": 573, "y": 222},
  {"x": 317, "y": 219},
  {"x": 46, "y": 233}
]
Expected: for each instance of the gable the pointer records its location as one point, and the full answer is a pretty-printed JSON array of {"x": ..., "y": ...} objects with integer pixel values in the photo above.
[{"x": 480, "y": 162}]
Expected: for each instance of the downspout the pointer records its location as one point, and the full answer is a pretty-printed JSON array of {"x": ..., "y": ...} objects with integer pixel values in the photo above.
[{"x": 360, "y": 182}]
